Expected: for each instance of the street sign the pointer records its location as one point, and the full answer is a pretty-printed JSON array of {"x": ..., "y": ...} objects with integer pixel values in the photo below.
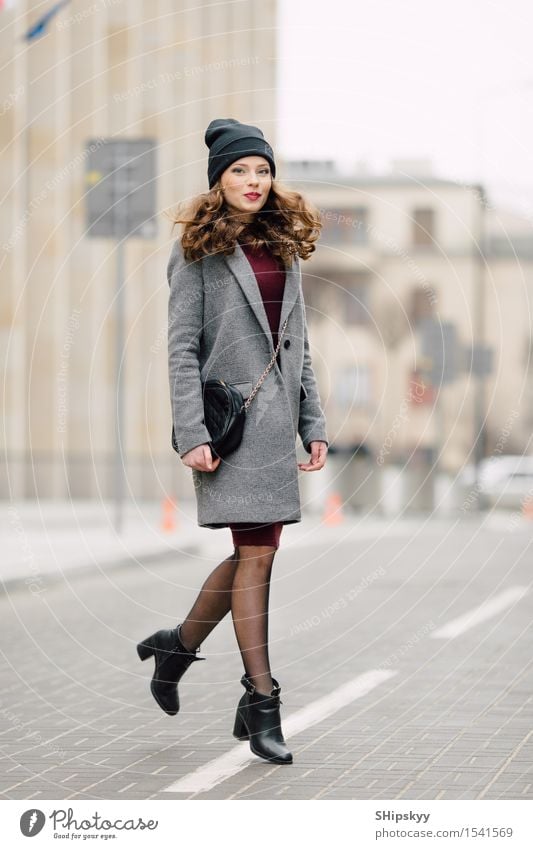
[
  {"x": 120, "y": 182},
  {"x": 478, "y": 360},
  {"x": 440, "y": 359}
]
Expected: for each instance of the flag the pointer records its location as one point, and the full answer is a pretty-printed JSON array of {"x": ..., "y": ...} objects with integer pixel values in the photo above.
[{"x": 39, "y": 28}]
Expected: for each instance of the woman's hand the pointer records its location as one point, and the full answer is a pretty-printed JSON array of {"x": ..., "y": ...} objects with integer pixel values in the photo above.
[
  {"x": 201, "y": 459},
  {"x": 319, "y": 452}
]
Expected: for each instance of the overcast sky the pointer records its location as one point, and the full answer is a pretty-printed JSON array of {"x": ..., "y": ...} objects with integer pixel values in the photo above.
[{"x": 450, "y": 81}]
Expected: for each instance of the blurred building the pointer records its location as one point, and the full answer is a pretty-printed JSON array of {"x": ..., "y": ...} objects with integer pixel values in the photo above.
[
  {"x": 161, "y": 70},
  {"x": 395, "y": 250},
  {"x": 398, "y": 249}
]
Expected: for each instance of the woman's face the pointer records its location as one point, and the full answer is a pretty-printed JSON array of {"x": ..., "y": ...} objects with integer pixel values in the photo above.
[{"x": 246, "y": 184}]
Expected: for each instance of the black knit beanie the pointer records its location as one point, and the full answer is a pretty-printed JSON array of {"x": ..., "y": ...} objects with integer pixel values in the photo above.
[{"x": 228, "y": 140}]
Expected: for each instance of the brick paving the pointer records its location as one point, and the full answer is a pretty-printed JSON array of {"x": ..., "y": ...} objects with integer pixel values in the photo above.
[{"x": 454, "y": 722}]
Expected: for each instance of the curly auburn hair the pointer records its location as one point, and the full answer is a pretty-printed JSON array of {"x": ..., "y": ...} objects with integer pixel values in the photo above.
[{"x": 287, "y": 225}]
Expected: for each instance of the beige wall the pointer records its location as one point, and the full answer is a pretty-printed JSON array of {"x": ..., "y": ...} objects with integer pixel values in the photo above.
[
  {"x": 509, "y": 325},
  {"x": 387, "y": 347},
  {"x": 115, "y": 73},
  {"x": 112, "y": 72}
]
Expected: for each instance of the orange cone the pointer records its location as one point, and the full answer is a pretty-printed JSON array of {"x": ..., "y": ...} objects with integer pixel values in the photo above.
[
  {"x": 168, "y": 522},
  {"x": 333, "y": 514},
  {"x": 527, "y": 508}
]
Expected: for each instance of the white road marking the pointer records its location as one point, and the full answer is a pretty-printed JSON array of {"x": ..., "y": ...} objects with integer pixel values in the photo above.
[
  {"x": 223, "y": 767},
  {"x": 127, "y": 787},
  {"x": 282, "y": 789},
  {"x": 480, "y": 614}
]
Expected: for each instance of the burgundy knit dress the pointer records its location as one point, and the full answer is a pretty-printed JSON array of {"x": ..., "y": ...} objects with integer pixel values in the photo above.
[{"x": 270, "y": 276}]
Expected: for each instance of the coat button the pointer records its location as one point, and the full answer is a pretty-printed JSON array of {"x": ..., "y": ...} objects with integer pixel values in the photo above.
[{"x": 287, "y": 343}]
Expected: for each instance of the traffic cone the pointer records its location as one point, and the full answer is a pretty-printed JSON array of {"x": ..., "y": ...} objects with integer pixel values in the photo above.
[
  {"x": 333, "y": 514},
  {"x": 527, "y": 508},
  {"x": 168, "y": 522}
]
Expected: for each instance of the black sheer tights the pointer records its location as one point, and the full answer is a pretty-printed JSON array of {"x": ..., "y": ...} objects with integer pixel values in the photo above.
[
  {"x": 249, "y": 609},
  {"x": 211, "y": 605},
  {"x": 241, "y": 583}
]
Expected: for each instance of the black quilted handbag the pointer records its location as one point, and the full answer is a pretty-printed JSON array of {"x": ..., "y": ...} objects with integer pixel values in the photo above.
[
  {"x": 225, "y": 410},
  {"x": 224, "y": 415}
]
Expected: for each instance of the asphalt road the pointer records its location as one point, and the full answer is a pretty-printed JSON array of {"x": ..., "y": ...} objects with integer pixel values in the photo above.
[{"x": 405, "y": 661}]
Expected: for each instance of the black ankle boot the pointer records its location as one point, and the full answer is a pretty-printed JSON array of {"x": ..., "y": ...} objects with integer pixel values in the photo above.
[
  {"x": 258, "y": 720},
  {"x": 172, "y": 659}
]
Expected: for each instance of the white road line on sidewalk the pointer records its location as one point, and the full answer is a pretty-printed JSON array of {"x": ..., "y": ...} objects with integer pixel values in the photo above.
[
  {"x": 223, "y": 767},
  {"x": 480, "y": 614}
]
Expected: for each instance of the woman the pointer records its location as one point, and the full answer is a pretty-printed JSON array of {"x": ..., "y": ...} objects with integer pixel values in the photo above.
[{"x": 234, "y": 279}]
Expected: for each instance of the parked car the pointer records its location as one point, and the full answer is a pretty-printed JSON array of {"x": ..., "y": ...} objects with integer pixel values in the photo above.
[{"x": 506, "y": 480}]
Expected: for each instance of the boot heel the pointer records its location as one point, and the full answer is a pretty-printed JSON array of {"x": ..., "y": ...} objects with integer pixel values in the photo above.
[
  {"x": 258, "y": 720},
  {"x": 239, "y": 728},
  {"x": 145, "y": 649}
]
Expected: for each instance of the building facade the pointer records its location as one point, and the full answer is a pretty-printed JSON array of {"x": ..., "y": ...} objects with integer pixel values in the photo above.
[
  {"x": 105, "y": 71},
  {"x": 399, "y": 252}
]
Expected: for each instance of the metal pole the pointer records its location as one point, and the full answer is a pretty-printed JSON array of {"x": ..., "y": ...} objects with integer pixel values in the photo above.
[
  {"x": 479, "y": 337},
  {"x": 121, "y": 187},
  {"x": 119, "y": 349},
  {"x": 439, "y": 441}
]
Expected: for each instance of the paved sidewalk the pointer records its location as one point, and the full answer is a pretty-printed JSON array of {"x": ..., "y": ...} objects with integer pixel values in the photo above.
[
  {"x": 43, "y": 541},
  {"x": 404, "y": 655}
]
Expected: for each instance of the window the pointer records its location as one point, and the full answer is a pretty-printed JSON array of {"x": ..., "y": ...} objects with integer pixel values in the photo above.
[
  {"x": 316, "y": 290},
  {"x": 361, "y": 227},
  {"x": 423, "y": 232},
  {"x": 345, "y": 294},
  {"x": 422, "y": 300},
  {"x": 351, "y": 292},
  {"x": 345, "y": 226},
  {"x": 353, "y": 386}
]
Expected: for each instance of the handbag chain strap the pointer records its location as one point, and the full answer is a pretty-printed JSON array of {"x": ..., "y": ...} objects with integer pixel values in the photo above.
[{"x": 266, "y": 371}]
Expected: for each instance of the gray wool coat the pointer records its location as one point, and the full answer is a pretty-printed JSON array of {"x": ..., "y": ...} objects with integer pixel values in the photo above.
[{"x": 218, "y": 328}]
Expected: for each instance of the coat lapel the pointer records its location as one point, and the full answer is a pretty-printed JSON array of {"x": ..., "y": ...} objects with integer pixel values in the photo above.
[{"x": 243, "y": 271}]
